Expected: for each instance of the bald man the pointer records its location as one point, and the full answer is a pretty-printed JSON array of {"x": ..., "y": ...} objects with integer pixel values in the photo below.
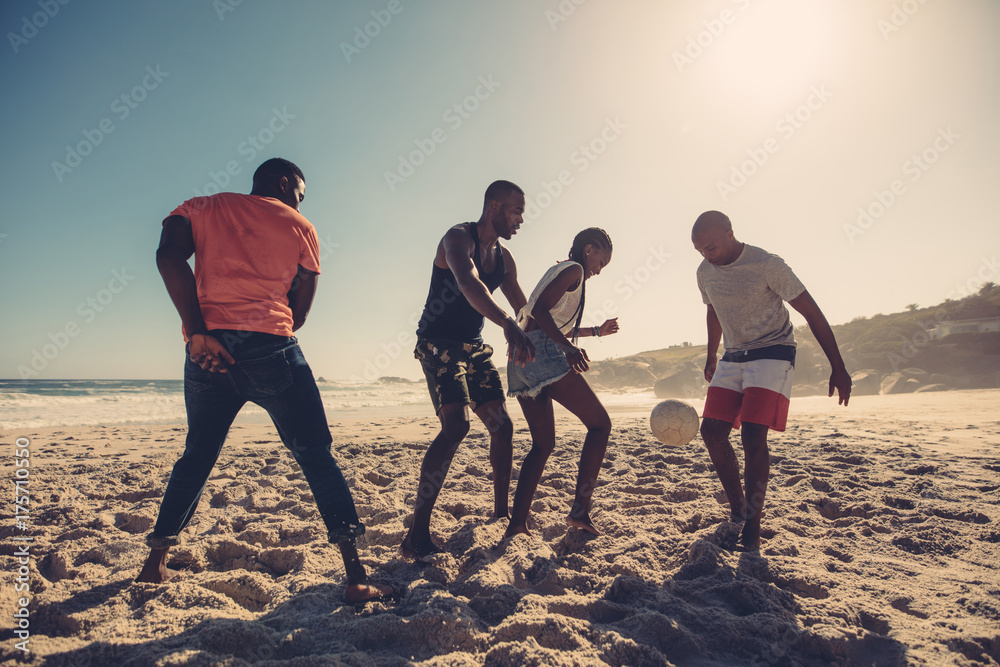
[{"x": 744, "y": 288}]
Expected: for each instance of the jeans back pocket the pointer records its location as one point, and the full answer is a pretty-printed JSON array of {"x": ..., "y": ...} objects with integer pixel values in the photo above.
[
  {"x": 196, "y": 379},
  {"x": 267, "y": 376}
]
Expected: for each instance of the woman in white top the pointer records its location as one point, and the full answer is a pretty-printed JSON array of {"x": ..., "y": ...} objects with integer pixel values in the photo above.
[{"x": 551, "y": 319}]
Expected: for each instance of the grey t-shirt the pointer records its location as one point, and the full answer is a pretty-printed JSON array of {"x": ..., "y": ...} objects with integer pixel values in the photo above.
[{"x": 748, "y": 297}]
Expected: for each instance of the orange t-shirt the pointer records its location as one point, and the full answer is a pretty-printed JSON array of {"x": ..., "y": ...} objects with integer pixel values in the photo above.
[{"x": 247, "y": 250}]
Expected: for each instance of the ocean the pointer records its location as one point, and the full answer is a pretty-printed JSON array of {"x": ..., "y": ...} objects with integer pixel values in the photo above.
[{"x": 44, "y": 403}]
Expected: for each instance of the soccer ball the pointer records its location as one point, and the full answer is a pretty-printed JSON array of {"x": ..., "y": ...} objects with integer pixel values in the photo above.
[{"x": 674, "y": 423}]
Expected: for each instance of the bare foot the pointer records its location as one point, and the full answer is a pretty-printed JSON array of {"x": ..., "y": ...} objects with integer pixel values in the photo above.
[
  {"x": 416, "y": 549},
  {"x": 750, "y": 536},
  {"x": 513, "y": 530},
  {"x": 154, "y": 570},
  {"x": 368, "y": 593},
  {"x": 583, "y": 523}
]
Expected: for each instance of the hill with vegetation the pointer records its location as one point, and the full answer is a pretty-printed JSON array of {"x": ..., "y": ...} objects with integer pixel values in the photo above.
[{"x": 891, "y": 353}]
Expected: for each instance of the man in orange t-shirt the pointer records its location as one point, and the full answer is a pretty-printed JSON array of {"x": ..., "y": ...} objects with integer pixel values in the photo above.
[{"x": 256, "y": 262}]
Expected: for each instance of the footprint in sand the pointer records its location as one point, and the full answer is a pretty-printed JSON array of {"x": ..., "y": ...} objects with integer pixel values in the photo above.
[
  {"x": 227, "y": 496},
  {"x": 852, "y": 460},
  {"x": 793, "y": 480},
  {"x": 231, "y": 555},
  {"x": 839, "y": 555},
  {"x": 967, "y": 517},
  {"x": 682, "y": 494},
  {"x": 283, "y": 561},
  {"x": 905, "y": 605},
  {"x": 250, "y": 590},
  {"x": 57, "y": 567},
  {"x": 133, "y": 523},
  {"x": 820, "y": 485},
  {"x": 378, "y": 479},
  {"x": 108, "y": 554}
]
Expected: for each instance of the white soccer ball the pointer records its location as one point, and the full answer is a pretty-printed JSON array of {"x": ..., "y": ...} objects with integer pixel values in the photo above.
[{"x": 674, "y": 422}]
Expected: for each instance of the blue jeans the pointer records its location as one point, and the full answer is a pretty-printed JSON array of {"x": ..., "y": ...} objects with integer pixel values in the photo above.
[{"x": 271, "y": 372}]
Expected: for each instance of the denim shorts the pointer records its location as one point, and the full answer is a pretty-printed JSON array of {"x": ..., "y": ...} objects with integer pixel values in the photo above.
[{"x": 550, "y": 365}]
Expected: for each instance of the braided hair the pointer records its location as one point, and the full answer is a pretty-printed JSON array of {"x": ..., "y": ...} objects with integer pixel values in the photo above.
[{"x": 598, "y": 238}]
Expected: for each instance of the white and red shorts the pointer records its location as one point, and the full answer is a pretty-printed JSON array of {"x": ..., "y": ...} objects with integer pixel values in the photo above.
[{"x": 751, "y": 391}]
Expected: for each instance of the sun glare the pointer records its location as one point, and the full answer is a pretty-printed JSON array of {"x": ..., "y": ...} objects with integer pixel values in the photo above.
[{"x": 769, "y": 53}]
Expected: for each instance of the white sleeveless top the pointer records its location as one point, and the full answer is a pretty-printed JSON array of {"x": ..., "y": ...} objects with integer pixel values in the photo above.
[{"x": 565, "y": 312}]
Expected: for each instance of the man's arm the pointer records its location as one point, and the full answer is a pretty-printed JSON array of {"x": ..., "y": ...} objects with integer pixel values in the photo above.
[
  {"x": 714, "y": 338},
  {"x": 176, "y": 247},
  {"x": 458, "y": 249},
  {"x": 300, "y": 297},
  {"x": 510, "y": 287},
  {"x": 839, "y": 377},
  {"x": 519, "y": 347}
]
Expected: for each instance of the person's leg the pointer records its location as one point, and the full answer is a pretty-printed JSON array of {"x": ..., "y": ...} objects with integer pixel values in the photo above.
[
  {"x": 454, "y": 427},
  {"x": 486, "y": 397},
  {"x": 359, "y": 588},
  {"x": 445, "y": 365},
  {"x": 768, "y": 390},
  {"x": 212, "y": 404},
  {"x": 573, "y": 393},
  {"x": 715, "y": 433},
  {"x": 541, "y": 423},
  {"x": 296, "y": 408},
  {"x": 154, "y": 569},
  {"x": 757, "y": 466},
  {"x": 494, "y": 416},
  {"x": 723, "y": 405},
  {"x": 298, "y": 415}
]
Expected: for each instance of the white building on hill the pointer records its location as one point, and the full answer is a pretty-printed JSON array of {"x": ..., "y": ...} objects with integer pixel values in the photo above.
[{"x": 944, "y": 329}]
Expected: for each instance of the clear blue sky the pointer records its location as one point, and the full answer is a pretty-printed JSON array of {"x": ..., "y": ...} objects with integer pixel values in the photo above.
[{"x": 786, "y": 115}]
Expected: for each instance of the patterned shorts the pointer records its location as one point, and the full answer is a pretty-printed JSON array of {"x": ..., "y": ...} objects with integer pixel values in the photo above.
[{"x": 458, "y": 372}]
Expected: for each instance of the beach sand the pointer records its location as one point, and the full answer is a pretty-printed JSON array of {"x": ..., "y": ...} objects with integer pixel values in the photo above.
[{"x": 882, "y": 547}]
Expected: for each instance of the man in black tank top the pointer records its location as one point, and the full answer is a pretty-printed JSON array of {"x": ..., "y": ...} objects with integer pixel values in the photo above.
[{"x": 469, "y": 266}]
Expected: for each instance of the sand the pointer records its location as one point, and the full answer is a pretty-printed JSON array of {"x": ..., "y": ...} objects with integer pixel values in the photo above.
[{"x": 882, "y": 537}]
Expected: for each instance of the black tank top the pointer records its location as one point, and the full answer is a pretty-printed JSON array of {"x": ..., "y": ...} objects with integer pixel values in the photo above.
[{"x": 447, "y": 313}]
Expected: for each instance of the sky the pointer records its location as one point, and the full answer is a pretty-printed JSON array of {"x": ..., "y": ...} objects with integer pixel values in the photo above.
[{"x": 856, "y": 139}]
